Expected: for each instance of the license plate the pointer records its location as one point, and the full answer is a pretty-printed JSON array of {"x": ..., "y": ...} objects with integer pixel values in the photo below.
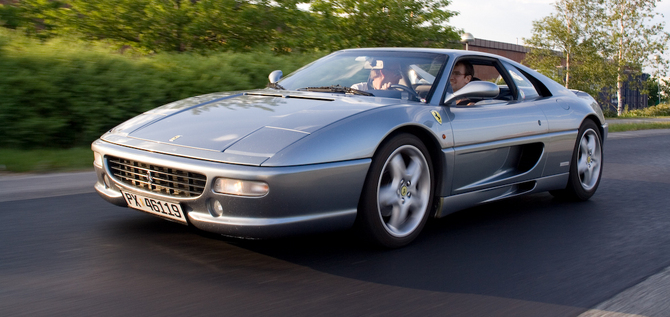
[{"x": 154, "y": 206}]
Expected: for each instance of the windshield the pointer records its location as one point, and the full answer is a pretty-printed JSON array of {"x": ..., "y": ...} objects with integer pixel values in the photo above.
[{"x": 402, "y": 75}]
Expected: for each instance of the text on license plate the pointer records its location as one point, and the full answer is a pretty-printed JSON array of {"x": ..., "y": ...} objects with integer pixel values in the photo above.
[{"x": 155, "y": 206}]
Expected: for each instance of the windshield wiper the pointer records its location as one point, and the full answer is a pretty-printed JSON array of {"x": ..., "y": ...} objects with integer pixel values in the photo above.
[
  {"x": 337, "y": 88},
  {"x": 276, "y": 86}
]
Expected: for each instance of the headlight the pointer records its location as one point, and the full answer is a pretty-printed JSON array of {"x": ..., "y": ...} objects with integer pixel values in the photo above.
[
  {"x": 240, "y": 187},
  {"x": 97, "y": 159}
]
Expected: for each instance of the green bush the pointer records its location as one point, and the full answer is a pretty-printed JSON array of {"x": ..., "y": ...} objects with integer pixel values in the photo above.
[
  {"x": 653, "y": 111},
  {"x": 608, "y": 112},
  {"x": 45, "y": 160},
  {"x": 65, "y": 93}
]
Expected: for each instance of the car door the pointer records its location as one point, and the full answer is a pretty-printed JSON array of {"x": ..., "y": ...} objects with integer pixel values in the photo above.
[{"x": 497, "y": 142}]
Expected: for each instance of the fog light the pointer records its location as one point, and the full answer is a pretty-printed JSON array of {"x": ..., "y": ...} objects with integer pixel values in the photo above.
[
  {"x": 215, "y": 208},
  {"x": 97, "y": 159},
  {"x": 105, "y": 179},
  {"x": 240, "y": 187}
]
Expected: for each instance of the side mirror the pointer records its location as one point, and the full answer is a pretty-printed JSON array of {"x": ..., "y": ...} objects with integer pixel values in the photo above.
[
  {"x": 275, "y": 76},
  {"x": 476, "y": 89}
]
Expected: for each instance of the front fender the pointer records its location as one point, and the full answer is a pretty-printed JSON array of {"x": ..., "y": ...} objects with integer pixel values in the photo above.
[{"x": 358, "y": 136}]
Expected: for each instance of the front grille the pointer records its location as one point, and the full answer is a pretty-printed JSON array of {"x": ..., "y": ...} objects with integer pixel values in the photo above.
[{"x": 157, "y": 179}]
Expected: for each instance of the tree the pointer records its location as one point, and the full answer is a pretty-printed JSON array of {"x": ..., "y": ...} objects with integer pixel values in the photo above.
[
  {"x": 36, "y": 18},
  {"x": 10, "y": 16},
  {"x": 233, "y": 24},
  {"x": 122, "y": 21},
  {"x": 375, "y": 23},
  {"x": 566, "y": 46},
  {"x": 282, "y": 25},
  {"x": 172, "y": 25},
  {"x": 659, "y": 90},
  {"x": 634, "y": 43}
]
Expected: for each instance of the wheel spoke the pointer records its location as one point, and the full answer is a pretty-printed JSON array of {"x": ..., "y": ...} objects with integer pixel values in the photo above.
[
  {"x": 414, "y": 171},
  {"x": 581, "y": 165},
  {"x": 416, "y": 203},
  {"x": 398, "y": 215},
  {"x": 595, "y": 164},
  {"x": 584, "y": 146},
  {"x": 397, "y": 167},
  {"x": 394, "y": 215},
  {"x": 588, "y": 175},
  {"x": 592, "y": 144},
  {"x": 388, "y": 195},
  {"x": 414, "y": 193}
]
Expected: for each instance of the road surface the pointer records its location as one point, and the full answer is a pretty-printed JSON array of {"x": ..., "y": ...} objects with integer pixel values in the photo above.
[{"x": 66, "y": 252}]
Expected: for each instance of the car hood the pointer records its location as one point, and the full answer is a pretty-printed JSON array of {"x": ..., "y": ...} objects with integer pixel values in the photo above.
[{"x": 244, "y": 128}]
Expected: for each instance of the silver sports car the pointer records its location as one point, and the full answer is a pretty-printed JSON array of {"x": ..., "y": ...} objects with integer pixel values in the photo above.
[{"x": 377, "y": 139}]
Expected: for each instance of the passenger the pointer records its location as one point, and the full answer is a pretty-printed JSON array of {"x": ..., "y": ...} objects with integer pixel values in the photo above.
[{"x": 382, "y": 78}]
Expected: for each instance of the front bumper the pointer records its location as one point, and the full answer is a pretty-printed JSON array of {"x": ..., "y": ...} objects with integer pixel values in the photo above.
[{"x": 302, "y": 199}]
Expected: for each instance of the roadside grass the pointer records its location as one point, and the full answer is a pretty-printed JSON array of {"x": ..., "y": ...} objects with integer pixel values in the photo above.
[
  {"x": 621, "y": 127},
  {"x": 81, "y": 158},
  {"x": 46, "y": 160}
]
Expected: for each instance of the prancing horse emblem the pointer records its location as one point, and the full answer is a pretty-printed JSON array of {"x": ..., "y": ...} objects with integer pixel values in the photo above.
[
  {"x": 149, "y": 178},
  {"x": 175, "y": 137},
  {"x": 437, "y": 116}
]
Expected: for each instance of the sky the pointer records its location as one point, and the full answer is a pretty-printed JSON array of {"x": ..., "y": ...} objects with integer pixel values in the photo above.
[{"x": 510, "y": 21}]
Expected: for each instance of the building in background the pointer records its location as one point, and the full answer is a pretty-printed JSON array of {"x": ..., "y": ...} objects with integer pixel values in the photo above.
[{"x": 633, "y": 94}]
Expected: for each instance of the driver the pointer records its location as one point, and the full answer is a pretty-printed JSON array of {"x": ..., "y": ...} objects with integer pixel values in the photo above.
[
  {"x": 462, "y": 74},
  {"x": 381, "y": 78}
]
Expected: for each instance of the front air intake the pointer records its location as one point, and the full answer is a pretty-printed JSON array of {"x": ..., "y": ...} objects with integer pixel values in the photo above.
[{"x": 157, "y": 179}]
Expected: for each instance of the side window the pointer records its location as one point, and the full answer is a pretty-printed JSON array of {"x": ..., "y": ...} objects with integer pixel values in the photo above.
[
  {"x": 486, "y": 73},
  {"x": 526, "y": 88},
  {"x": 482, "y": 70},
  {"x": 490, "y": 73}
]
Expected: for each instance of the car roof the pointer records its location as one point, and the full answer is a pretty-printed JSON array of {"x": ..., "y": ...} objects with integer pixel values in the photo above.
[{"x": 451, "y": 52}]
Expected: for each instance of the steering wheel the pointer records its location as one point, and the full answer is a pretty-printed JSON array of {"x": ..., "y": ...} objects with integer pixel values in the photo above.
[{"x": 407, "y": 89}]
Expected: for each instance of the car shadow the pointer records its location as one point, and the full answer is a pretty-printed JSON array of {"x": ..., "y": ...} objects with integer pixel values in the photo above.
[{"x": 518, "y": 248}]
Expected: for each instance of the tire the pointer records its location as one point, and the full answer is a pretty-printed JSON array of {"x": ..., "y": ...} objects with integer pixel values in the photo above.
[
  {"x": 586, "y": 165},
  {"x": 398, "y": 192}
]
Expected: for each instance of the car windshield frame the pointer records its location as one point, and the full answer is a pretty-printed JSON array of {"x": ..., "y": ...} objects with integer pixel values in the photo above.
[{"x": 350, "y": 72}]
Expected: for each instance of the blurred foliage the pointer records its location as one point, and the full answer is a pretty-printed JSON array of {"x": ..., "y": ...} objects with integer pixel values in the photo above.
[
  {"x": 239, "y": 25},
  {"x": 66, "y": 92},
  {"x": 34, "y": 17},
  {"x": 10, "y": 16},
  {"x": 387, "y": 23}
]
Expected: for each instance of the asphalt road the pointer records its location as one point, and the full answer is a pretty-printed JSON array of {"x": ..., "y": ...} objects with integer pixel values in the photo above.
[{"x": 76, "y": 255}]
